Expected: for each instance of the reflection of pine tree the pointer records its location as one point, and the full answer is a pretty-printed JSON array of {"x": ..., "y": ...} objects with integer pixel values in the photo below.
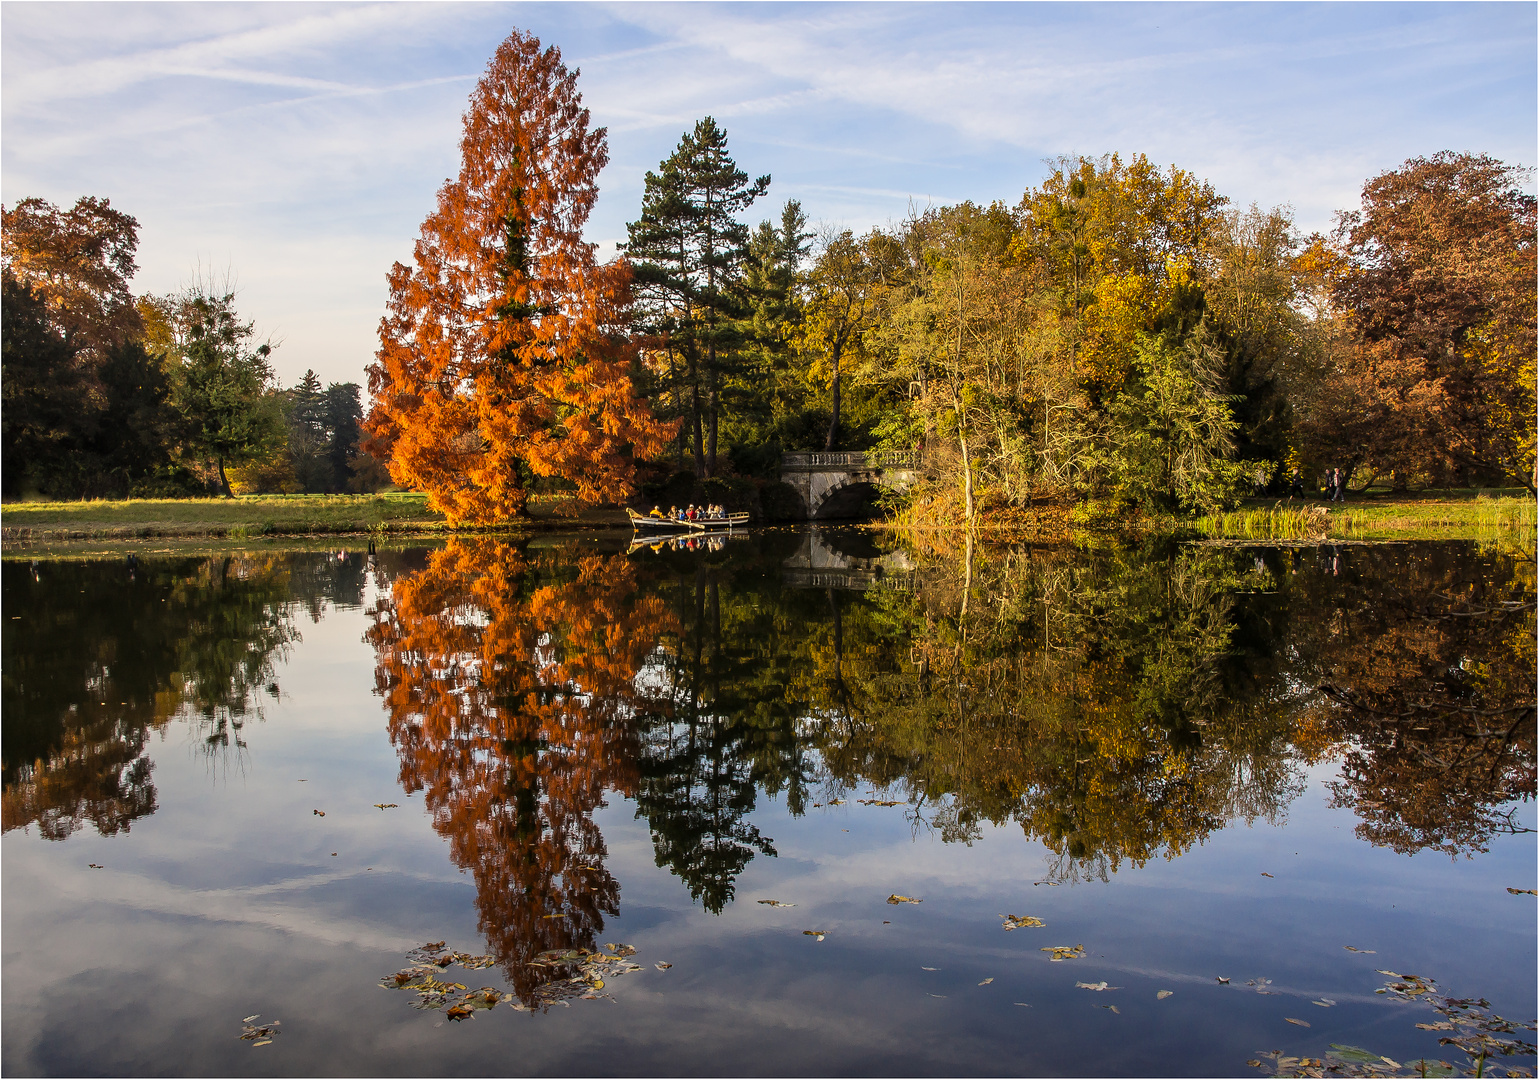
[{"x": 698, "y": 779}]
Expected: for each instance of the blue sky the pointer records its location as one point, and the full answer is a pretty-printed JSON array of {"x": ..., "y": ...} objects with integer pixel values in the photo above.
[{"x": 299, "y": 146}]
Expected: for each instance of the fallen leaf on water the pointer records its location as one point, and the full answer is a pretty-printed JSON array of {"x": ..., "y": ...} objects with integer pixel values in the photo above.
[
  {"x": 1163, "y": 994},
  {"x": 1368, "y": 952},
  {"x": 1064, "y": 952},
  {"x": 459, "y": 1012},
  {"x": 896, "y": 899},
  {"x": 620, "y": 949},
  {"x": 1045, "y": 882},
  {"x": 929, "y": 969},
  {"x": 835, "y": 802},
  {"x": 1113, "y": 1008},
  {"x": 938, "y": 995},
  {"x": 385, "y": 805},
  {"x": 819, "y": 934},
  {"x": 1265, "y": 874},
  {"x": 775, "y": 903},
  {"x": 333, "y": 854},
  {"x": 1022, "y": 1004},
  {"x": 986, "y": 982},
  {"x": 879, "y": 802},
  {"x": 95, "y": 866},
  {"x": 1096, "y": 986},
  {"x": 1300, "y": 1023},
  {"x": 1523, "y": 892},
  {"x": 1324, "y": 1003},
  {"x": 318, "y": 813},
  {"x": 1015, "y": 922},
  {"x": 1221, "y": 979},
  {"x": 662, "y": 965},
  {"x": 1441, "y": 1025},
  {"x": 258, "y": 1034}
]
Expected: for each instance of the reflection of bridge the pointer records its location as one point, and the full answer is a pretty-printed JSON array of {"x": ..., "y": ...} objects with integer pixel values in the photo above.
[
  {"x": 817, "y": 565},
  {"x": 835, "y": 484}
]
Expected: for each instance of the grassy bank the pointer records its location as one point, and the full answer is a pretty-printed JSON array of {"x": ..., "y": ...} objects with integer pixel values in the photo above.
[
  {"x": 1376, "y": 516},
  {"x": 260, "y": 515}
]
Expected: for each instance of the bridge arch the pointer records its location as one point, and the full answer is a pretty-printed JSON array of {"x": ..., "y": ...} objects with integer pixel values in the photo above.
[{"x": 819, "y": 476}]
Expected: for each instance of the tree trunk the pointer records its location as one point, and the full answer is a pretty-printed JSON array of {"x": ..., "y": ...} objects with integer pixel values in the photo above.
[
  {"x": 713, "y": 401},
  {"x": 224, "y": 481},
  {"x": 694, "y": 414},
  {"x": 967, "y": 469},
  {"x": 833, "y": 424}
]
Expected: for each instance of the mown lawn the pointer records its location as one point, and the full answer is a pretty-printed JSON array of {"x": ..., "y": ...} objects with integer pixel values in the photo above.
[{"x": 256, "y": 515}]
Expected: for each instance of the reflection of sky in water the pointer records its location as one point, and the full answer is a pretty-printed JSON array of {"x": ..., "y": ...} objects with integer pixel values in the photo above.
[{"x": 227, "y": 901}]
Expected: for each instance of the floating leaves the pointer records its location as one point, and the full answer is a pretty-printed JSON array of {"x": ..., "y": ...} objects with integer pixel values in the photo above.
[
  {"x": 95, "y": 866},
  {"x": 880, "y": 802},
  {"x": 819, "y": 934},
  {"x": 1324, "y": 1003},
  {"x": 1065, "y": 952},
  {"x": 1097, "y": 986},
  {"x": 1224, "y": 979},
  {"x": 929, "y": 969},
  {"x": 1523, "y": 892},
  {"x": 775, "y": 903},
  {"x": 386, "y": 805},
  {"x": 1163, "y": 994},
  {"x": 896, "y": 899},
  {"x": 318, "y": 813},
  {"x": 574, "y": 973},
  {"x": 1015, "y": 922},
  {"x": 258, "y": 1034},
  {"x": 1047, "y": 881},
  {"x": 986, "y": 982},
  {"x": 662, "y": 965},
  {"x": 1295, "y": 1020},
  {"x": 1111, "y": 1008},
  {"x": 1265, "y": 874},
  {"x": 1365, "y": 952},
  {"x": 1261, "y": 985}
]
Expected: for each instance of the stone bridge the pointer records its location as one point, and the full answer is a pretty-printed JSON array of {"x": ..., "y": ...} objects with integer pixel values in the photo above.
[
  {"x": 818, "y": 564},
  {"x": 835, "y": 484}
]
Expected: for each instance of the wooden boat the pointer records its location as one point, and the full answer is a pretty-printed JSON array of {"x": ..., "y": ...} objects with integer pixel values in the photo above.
[{"x": 663, "y": 526}]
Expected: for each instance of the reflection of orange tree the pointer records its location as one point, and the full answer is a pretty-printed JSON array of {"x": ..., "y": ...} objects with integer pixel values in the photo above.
[
  {"x": 1429, "y": 692},
  {"x": 511, "y": 683}
]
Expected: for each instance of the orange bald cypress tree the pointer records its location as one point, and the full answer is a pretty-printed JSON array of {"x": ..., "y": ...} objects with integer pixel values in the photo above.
[{"x": 502, "y": 354}]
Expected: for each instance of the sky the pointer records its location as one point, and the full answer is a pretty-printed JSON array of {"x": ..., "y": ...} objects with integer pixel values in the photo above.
[{"x": 294, "y": 149}]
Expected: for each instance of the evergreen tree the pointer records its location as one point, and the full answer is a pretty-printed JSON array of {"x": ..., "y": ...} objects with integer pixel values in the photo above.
[{"x": 688, "y": 249}]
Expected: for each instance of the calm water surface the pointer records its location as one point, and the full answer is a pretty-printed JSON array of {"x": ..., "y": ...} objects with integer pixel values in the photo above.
[{"x": 250, "y": 784}]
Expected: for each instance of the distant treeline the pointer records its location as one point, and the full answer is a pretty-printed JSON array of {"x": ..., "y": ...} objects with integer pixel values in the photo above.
[{"x": 108, "y": 395}]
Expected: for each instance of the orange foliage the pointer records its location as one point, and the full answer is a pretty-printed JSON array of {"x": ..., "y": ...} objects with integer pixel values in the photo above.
[
  {"x": 513, "y": 700},
  {"x": 502, "y": 352}
]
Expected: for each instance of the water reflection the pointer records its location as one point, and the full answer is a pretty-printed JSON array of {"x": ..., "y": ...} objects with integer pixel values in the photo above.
[
  {"x": 99, "y": 654},
  {"x": 511, "y": 677},
  {"x": 1119, "y": 705}
]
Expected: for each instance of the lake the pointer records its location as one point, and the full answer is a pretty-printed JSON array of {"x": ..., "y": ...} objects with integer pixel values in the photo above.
[{"x": 796, "y": 802}]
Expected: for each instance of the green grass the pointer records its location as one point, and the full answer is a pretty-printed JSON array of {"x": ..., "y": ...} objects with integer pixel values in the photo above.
[
  {"x": 1378, "y": 516},
  {"x": 249, "y": 516}
]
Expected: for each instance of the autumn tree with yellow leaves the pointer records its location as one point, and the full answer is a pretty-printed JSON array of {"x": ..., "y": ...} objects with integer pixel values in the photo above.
[{"x": 502, "y": 356}]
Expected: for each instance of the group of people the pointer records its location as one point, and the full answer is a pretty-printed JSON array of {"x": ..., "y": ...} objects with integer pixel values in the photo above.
[
  {"x": 1335, "y": 484},
  {"x": 692, "y": 512}
]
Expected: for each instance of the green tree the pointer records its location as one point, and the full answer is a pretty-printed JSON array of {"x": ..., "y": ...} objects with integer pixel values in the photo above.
[
  {"x": 45, "y": 391},
  {"x": 688, "y": 251},
  {"x": 1174, "y": 433},
  {"x": 224, "y": 388},
  {"x": 309, "y": 440}
]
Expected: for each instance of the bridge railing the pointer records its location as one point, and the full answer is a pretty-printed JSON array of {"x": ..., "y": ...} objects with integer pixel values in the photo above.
[{"x": 851, "y": 459}]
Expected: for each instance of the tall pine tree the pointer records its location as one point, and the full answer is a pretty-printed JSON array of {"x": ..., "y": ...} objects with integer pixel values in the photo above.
[{"x": 688, "y": 250}]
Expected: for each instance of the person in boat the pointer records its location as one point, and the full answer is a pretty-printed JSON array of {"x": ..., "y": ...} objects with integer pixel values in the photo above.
[
  {"x": 656, "y": 513},
  {"x": 673, "y": 513}
]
